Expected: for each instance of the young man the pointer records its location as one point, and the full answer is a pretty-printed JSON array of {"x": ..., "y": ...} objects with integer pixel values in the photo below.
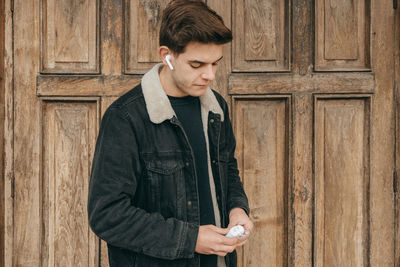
[{"x": 164, "y": 189}]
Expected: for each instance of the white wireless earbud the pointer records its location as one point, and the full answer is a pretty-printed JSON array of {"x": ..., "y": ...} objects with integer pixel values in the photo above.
[{"x": 169, "y": 62}]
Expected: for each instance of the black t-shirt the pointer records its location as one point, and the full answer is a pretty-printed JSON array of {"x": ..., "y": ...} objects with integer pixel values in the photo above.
[{"x": 188, "y": 111}]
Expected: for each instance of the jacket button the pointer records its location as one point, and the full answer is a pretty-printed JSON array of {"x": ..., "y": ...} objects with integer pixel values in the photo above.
[
  {"x": 189, "y": 203},
  {"x": 213, "y": 161},
  {"x": 212, "y": 121},
  {"x": 187, "y": 164}
]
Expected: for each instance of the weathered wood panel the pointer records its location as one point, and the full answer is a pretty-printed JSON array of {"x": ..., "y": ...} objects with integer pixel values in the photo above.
[
  {"x": 261, "y": 44},
  {"x": 2, "y": 133},
  {"x": 397, "y": 137},
  {"x": 70, "y": 36},
  {"x": 302, "y": 172},
  {"x": 382, "y": 134},
  {"x": 284, "y": 83},
  {"x": 397, "y": 182},
  {"x": 262, "y": 130},
  {"x": 26, "y": 139},
  {"x": 142, "y": 26},
  {"x": 342, "y": 35},
  {"x": 111, "y": 35},
  {"x": 341, "y": 182},
  {"x": 224, "y": 9},
  {"x": 69, "y": 134},
  {"x": 302, "y": 35},
  {"x": 8, "y": 170},
  {"x": 77, "y": 85}
]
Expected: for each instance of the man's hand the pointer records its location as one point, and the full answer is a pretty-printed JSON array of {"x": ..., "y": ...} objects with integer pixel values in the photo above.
[
  {"x": 212, "y": 240},
  {"x": 238, "y": 216}
]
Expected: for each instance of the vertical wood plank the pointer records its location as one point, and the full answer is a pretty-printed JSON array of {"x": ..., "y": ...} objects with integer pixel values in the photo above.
[
  {"x": 303, "y": 36},
  {"x": 340, "y": 28},
  {"x": 301, "y": 246},
  {"x": 342, "y": 32},
  {"x": 8, "y": 137},
  {"x": 261, "y": 128},
  {"x": 26, "y": 251},
  {"x": 382, "y": 135},
  {"x": 397, "y": 137},
  {"x": 70, "y": 36},
  {"x": 111, "y": 21},
  {"x": 341, "y": 182},
  {"x": 220, "y": 84},
  {"x": 261, "y": 35},
  {"x": 261, "y": 45},
  {"x": 149, "y": 22},
  {"x": 2, "y": 133},
  {"x": 142, "y": 24},
  {"x": 69, "y": 130}
]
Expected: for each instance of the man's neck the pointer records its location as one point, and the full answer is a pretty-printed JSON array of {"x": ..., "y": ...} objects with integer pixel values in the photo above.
[{"x": 167, "y": 83}]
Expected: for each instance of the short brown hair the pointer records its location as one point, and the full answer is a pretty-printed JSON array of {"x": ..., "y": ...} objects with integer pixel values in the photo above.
[{"x": 186, "y": 21}]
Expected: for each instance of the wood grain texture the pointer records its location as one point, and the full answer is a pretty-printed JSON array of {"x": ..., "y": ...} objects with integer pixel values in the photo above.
[
  {"x": 111, "y": 37},
  {"x": 397, "y": 137},
  {"x": 340, "y": 28},
  {"x": 342, "y": 35},
  {"x": 397, "y": 184},
  {"x": 261, "y": 35},
  {"x": 220, "y": 84},
  {"x": 70, "y": 36},
  {"x": 142, "y": 25},
  {"x": 261, "y": 129},
  {"x": 26, "y": 210},
  {"x": 69, "y": 131},
  {"x": 2, "y": 134},
  {"x": 382, "y": 135},
  {"x": 342, "y": 132},
  {"x": 290, "y": 83},
  {"x": 303, "y": 37},
  {"x": 261, "y": 45},
  {"x": 111, "y": 85},
  {"x": 8, "y": 170},
  {"x": 302, "y": 193}
]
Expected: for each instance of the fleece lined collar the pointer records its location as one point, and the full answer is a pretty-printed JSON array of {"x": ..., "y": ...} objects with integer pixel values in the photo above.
[{"x": 157, "y": 102}]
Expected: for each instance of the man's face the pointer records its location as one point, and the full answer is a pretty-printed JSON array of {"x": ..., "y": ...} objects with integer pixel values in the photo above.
[{"x": 195, "y": 69}]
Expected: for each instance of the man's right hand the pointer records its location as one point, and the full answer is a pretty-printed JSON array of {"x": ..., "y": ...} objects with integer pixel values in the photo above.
[{"x": 212, "y": 240}]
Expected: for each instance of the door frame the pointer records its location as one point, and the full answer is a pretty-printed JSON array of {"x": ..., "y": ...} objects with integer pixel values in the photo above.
[
  {"x": 6, "y": 132},
  {"x": 396, "y": 173}
]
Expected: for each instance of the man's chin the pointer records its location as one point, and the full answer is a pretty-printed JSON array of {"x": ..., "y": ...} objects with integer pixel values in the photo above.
[{"x": 198, "y": 93}]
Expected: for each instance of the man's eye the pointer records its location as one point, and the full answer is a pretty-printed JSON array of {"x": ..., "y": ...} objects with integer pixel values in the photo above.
[{"x": 195, "y": 65}]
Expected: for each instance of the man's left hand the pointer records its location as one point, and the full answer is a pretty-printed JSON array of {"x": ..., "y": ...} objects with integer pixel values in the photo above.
[{"x": 237, "y": 216}]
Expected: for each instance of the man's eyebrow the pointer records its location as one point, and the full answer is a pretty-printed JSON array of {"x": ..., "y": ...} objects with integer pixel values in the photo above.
[{"x": 201, "y": 62}]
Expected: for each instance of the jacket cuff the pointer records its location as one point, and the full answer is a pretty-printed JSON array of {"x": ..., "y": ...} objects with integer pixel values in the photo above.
[
  {"x": 239, "y": 204},
  {"x": 189, "y": 240}
]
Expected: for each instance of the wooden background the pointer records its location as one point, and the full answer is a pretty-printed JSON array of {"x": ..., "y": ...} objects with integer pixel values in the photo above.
[{"x": 313, "y": 87}]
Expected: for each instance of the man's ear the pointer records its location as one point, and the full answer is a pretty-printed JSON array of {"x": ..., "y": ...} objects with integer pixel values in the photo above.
[
  {"x": 165, "y": 54},
  {"x": 163, "y": 51}
]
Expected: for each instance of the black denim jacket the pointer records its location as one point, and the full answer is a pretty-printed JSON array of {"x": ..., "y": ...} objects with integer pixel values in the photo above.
[{"x": 143, "y": 198}]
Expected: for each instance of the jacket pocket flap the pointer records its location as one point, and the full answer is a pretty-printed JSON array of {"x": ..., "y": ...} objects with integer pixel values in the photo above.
[{"x": 164, "y": 167}]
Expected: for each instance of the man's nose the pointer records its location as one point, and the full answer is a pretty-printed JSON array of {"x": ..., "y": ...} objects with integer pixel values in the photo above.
[{"x": 209, "y": 73}]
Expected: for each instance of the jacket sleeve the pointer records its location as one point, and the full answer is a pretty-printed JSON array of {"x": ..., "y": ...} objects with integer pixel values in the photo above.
[
  {"x": 114, "y": 178},
  {"x": 236, "y": 197}
]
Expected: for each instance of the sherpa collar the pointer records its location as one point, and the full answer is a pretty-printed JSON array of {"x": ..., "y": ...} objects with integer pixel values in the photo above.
[{"x": 157, "y": 102}]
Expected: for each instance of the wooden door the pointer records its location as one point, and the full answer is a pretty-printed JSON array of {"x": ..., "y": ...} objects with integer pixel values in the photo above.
[
  {"x": 311, "y": 87},
  {"x": 397, "y": 136}
]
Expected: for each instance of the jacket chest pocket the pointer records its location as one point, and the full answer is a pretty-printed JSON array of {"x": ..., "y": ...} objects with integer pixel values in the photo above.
[{"x": 166, "y": 186}]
